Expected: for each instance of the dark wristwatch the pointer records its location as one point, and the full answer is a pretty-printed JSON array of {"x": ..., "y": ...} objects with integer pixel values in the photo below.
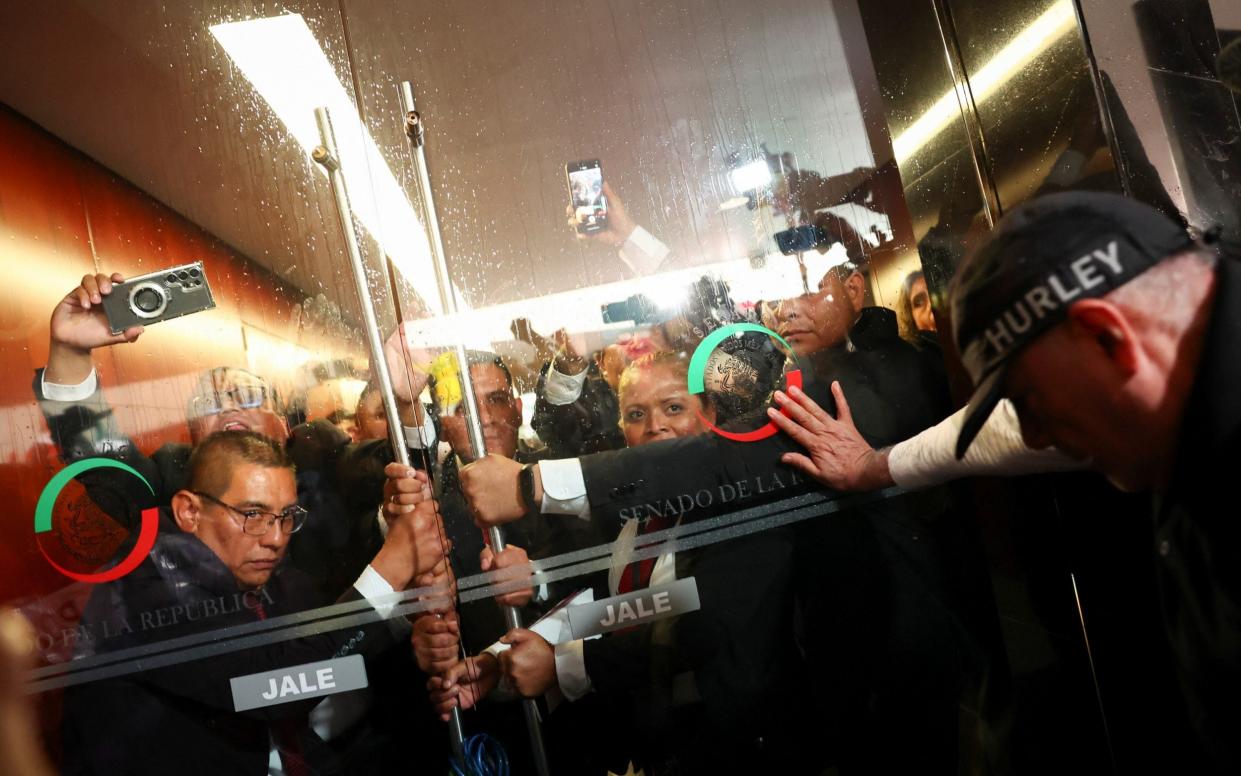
[{"x": 526, "y": 481}]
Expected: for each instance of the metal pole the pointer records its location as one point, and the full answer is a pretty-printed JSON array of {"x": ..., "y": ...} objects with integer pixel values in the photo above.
[
  {"x": 1094, "y": 676},
  {"x": 326, "y": 155},
  {"x": 414, "y": 130}
]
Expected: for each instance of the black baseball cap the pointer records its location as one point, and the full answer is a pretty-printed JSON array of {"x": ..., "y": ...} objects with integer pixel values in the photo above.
[{"x": 1043, "y": 256}]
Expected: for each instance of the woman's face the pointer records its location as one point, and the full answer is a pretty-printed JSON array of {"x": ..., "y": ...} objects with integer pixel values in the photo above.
[
  {"x": 658, "y": 405},
  {"x": 371, "y": 420},
  {"x": 920, "y": 304}
]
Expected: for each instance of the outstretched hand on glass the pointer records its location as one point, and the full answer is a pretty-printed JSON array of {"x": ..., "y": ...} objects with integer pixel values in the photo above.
[{"x": 836, "y": 453}]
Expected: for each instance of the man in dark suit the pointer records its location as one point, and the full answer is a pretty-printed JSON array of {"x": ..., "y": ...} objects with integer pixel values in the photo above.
[
  {"x": 668, "y": 691},
  {"x": 218, "y": 564},
  {"x": 500, "y": 415},
  {"x": 875, "y": 573},
  {"x": 476, "y": 624},
  {"x": 833, "y": 334},
  {"x": 333, "y": 547}
]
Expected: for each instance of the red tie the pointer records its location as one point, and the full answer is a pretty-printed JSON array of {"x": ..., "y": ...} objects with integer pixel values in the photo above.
[
  {"x": 284, "y": 732},
  {"x": 637, "y": 575}
]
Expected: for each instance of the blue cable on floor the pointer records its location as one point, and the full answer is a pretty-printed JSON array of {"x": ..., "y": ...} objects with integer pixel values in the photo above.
[{"x": 483, "y": 756}]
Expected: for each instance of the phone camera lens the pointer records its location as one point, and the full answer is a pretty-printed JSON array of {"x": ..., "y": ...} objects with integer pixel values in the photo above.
[
  {"x": 194, "y": 273},
  {"x": 148, "y": 300}
]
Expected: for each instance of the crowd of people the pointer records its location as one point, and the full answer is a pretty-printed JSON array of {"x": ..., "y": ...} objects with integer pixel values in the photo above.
[{"x": 848, "y": 632}]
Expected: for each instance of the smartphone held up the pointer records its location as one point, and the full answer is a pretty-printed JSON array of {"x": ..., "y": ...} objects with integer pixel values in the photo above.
[
  {"x": 159, "y": 296},
  {"x": 590, "y": 206}
]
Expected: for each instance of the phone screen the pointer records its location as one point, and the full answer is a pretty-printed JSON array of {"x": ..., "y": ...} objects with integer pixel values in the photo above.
[{"x": 590, "y": 207}]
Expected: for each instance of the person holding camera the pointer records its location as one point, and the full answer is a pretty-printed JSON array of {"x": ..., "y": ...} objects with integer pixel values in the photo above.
[
  {"x": 575, "y": 409},
  {"x": 334, "y": 544},
  {"x": 218, "y": 566},
  {"x": 640, "y": 250},
  {"x": 333, "y": 548}
]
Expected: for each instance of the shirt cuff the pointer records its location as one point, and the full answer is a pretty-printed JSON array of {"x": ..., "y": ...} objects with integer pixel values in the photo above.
[
  {"x": 643, "y": 252},
  {"x": 561, "y": 389},
  {"x": 553, "y": 628},
  {"x": 564, "y": 489},
  {"x": 79, "y": 392},
  {"x": 376, "y": 590},
  {"x": 571, "y": 670}
]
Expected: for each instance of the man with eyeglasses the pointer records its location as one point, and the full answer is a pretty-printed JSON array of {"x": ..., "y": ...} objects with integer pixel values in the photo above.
[
  {"x": 334, "y": 546},
  {"x": 252, "y": 569},
  {"x": 220, "y": 571},
  {"x": 233, "y": 399},
  {"x": 881, "y": 587}
]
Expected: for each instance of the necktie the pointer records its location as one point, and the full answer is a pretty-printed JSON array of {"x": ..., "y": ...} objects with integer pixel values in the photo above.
[
  {"x": 284, "y": 732},
  {"x": 637, "y": 575}
]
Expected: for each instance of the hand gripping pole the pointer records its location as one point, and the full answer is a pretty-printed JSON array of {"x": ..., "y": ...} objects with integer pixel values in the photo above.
[
  {"x": 326, "y": 156},
  {"x": 415, "y": 131}
]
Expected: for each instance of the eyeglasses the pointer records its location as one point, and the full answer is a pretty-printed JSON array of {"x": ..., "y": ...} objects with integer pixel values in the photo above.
[
  {"x": 247, "y": 397},
  {"x": 291, "y": 519}
]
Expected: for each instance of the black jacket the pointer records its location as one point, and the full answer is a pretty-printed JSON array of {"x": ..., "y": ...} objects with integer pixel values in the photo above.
[
  {"x": 894, "y": 391},
  {"x": 180, "y": 718},
  {"x": 331, "y": 548},
  {"x": 870, "y": 579},
  {"x": 482, "y": 621},
  {"x": 589, "y": 425},
  {"x": 1198, "y": 537}
]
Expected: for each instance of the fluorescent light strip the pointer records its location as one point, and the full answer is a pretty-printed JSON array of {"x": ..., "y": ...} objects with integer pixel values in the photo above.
[
  {"x": 287, "y": 67},
  {"x": 751, "y": 176},
  {"x": 578, "y": 308},
  {"x": 1054, "y": 22}
]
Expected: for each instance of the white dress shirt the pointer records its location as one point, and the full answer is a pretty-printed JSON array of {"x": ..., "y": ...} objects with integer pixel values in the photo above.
[
  {"x": 79, "y": 392},
  {"x": 929, "y": 458}
]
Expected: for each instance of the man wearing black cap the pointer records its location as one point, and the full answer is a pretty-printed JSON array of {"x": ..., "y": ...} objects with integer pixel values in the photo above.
[
  {"x": 1132, "y": 291},
  {"x": 1115, "y": 336}
]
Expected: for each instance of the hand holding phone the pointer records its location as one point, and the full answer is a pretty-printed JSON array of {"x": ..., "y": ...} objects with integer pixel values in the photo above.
[
  {"x": 586, "y": 197},
  {"x": 619, "y": 224},
  {"x": 159, "y": 296}
]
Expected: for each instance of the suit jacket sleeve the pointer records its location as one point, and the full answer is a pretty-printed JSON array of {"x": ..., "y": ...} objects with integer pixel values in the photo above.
[
  {"x": 692, "y": 476},
  {"x": 88, "y": 429}
]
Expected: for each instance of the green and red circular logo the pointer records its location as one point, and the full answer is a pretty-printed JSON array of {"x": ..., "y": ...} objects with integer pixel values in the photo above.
[
  {"x": 47, "y": 501},
  {"x": 698, "y": 369}
]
